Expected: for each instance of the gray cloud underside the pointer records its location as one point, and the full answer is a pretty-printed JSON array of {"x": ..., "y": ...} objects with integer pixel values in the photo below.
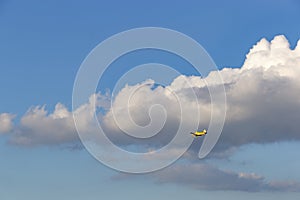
[{"x": 206, "y": 177}]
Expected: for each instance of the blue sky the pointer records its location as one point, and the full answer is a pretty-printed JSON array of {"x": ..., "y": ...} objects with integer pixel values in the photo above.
[{"x": 43, "y": 45}]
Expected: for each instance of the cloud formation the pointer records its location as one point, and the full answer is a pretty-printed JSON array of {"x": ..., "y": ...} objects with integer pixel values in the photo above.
[
  {"x": 259, "y": 94},
  {"x": 262, "y": 98},
  {"x": 204, "y": 176},
  {"x": 263, "y": 106},
  {"x": 39, "y": 127},
  {"x": 207, "y": 177}
]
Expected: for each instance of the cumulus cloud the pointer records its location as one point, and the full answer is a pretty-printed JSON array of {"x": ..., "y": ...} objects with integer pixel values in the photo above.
[
  {"x": 263, "y": 106},
  {"x": 6, "y": 123},
  {"x": 262, "y": 97},
  {"x": 262, "y": 103},
  {"x": 39, "y": 127},
  {"x": 141, "y": 110}
]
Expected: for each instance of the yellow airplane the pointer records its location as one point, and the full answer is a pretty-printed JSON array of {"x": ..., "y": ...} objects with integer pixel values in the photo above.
[{"x": 199, "y": 133}]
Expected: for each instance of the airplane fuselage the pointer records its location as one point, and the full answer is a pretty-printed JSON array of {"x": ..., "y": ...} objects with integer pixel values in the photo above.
[{"x": 199, "y": 133}]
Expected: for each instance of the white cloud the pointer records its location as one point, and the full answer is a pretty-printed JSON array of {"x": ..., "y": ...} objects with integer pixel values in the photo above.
[
  {"x": 275, "y": 56},
  {"x": 262, "y": 98},
  {"x": 38, "y": 127},
  {"x": 6, "y": 123},
  {"x": 263, "y": 106}
]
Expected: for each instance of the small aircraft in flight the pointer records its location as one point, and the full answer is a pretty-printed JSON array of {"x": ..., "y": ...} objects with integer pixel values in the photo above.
[{"x": 199, "y": 133}]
